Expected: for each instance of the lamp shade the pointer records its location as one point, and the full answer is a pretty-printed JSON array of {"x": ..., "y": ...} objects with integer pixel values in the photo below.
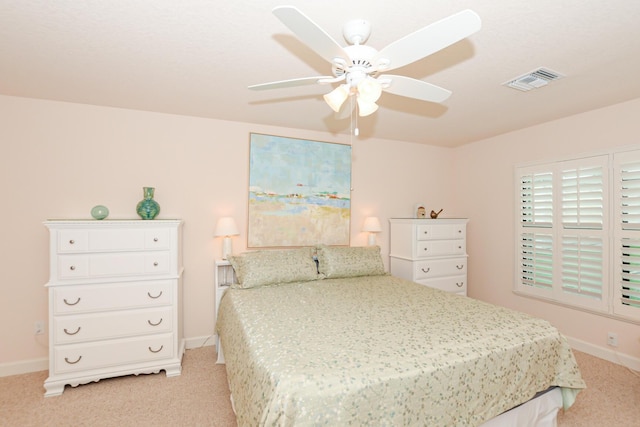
[
  {"x": 336, "y": 97},
  {"x": 226, "y": 226},
  {"x": 369, "y": 89},
  {"x": 372, "y": 225},
  {"x": 366, "y": 108}
]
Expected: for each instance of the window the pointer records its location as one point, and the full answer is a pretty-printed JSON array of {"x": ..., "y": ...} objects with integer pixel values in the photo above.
[{"x": 578, "y": 233}]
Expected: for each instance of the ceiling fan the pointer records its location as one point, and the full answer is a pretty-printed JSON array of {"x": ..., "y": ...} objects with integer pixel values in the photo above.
[{"x": 359, "y": 67}]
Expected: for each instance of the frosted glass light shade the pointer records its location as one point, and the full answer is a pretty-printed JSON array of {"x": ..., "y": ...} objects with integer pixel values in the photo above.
[
  {"x": 366, "y": 108},
  {"x": 336, "y": 97},
  {"x": 369, "y": 90}
]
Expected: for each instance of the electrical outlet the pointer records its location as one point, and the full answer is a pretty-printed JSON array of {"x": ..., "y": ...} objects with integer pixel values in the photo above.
[
  {"x": 38, "y": 327},
  {"x": 612, "y": 339}
]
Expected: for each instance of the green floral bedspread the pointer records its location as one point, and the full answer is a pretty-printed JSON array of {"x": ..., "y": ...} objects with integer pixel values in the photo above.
[{"x": 380, "y": 350}]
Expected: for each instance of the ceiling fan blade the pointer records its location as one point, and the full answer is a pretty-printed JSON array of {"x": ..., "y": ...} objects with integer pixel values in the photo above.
[
  {"x": 412, "y": 88},
  {"x": 289, "y": 83},
  {"x": 310, "y": 33},
  {"x": 427, "y": 40}
]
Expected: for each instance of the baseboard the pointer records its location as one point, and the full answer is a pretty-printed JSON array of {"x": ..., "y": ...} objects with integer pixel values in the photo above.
[
  {"x": 605, "y": 353},
  {"x": 24, "y": 367},
  {"x": 197, "y": 342}
]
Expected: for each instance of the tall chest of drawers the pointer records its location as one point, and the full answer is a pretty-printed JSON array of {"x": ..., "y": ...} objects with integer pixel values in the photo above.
[
  {"x": 432, "y": 252},
  {"x": 115, "y": 300}
]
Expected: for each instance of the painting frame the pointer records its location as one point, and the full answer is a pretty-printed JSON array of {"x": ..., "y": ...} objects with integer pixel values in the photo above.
[{"x": 299, "y": 192}]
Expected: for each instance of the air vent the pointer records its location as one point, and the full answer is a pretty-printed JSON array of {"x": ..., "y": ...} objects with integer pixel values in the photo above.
[{"x": 533, "y": 79}]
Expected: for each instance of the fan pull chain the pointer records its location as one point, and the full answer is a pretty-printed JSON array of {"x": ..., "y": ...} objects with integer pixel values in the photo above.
[{"x": 356, "y": 131}]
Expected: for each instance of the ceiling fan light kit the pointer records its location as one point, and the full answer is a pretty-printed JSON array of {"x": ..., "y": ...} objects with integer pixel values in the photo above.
[
  {"x": 336, "y": 97},
  {"x": 358, "y": 65}
]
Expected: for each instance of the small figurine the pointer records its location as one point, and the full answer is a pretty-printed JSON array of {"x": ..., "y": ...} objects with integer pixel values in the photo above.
[
  {"x": 435, "y": 214},
  {"x": 422, "y": 212}
]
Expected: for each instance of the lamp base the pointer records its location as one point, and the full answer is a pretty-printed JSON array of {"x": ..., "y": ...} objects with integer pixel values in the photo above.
[
  {"x": 226, "y": 247},
  {"x": 372, "y": 239}
]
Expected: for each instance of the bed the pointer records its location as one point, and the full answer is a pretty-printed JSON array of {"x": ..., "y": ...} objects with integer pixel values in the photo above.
[{"x": 341, "y": 342}]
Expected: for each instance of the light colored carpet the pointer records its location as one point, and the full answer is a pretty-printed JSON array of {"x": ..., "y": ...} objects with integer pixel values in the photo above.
[
  {"x": 200, "y": 397},
  {"x": 611, "y": 399}
]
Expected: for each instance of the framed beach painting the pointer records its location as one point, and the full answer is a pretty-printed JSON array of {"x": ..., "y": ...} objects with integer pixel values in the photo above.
[{"x": 299, "y": 192}]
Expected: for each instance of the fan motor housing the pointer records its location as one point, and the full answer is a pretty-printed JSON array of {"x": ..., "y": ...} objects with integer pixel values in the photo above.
[
  {"x": 359, "y": 56},
  {"x": 356, "y": 31}
]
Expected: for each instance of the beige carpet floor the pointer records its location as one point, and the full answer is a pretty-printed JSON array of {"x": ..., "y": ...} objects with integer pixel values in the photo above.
[{"x": 200, "y": 397}]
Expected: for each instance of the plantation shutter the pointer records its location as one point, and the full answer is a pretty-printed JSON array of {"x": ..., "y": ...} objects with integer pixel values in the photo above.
[
  {"x": 536, "y": 266},
  {"x": 535, "y": 269},
  {"x": 582, "y": 211},
  {"x": 626, "y": 298},
  {"x": 582, "y": 266},
  {"x": 536, "y": 199},
  {"x": 583, "y": 197},
  {"x": 629, "y": 175},
  {"x": 630, "y": 284}
]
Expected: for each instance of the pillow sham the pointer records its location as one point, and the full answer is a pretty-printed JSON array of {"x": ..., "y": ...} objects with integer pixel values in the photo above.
[
  {"x": 339, "y": 261},
  {"x": 269, "y": 267}
]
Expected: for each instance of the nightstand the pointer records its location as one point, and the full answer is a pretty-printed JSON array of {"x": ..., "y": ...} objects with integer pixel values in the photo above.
[{"x": 224, "y": 277}]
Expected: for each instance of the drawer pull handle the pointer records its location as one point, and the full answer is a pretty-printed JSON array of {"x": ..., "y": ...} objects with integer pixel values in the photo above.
[
  {"x": 425, "y": 271},
  {"x": 72, "y": 268},
  {"x": 156, "y": 297},
  {"x": 155, "y": 264},
  {"x": 459, "y": 231},
  {"x": 156, "y": 351},
  {"x": 154, "y": 324},
  {"x": 460, "y": 267},
  {"x": 66, "y": 359},
  {"x": 72, "y": 333},
  {"x": 71, "y": 303},
  {"x": 425, "y": 249},
  {"x": 71, "y": 242},
  {"x": 155, "y": 239},
  {"x": 459, "y": 247},
  {"x": 461, "y": 284}
]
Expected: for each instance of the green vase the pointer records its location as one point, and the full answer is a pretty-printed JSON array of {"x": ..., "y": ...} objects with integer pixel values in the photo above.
[
  {"x": 99, "y": 212},
  {"x": 148, "y": 208}
]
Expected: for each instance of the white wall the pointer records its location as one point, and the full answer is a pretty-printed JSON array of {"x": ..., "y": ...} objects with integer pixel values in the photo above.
[
  {"x": 485, "y": 171},
  {"x": 59, "y": 160}
]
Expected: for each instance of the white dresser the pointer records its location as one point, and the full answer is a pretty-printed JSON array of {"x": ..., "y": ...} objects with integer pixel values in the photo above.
[
  {"x": 115, "y": 300},
  {"x": 432, "y": 252}
]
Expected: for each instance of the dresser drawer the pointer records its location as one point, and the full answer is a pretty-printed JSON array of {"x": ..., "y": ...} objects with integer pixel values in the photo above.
[
  {"x": 441, "y": 231},
  {"x": 457, "y": 284},
  {"x": 73, "y": 240},
  {"x": 432, "y": 248},
  {"x": 112, "y": 239},
  {"x": 84, "y": 357},
  {"x": 76, "y": 266},
  {"x": 437, "y": 268},
  {"x": 112, "y": 324},
  {"x": 91, "y": 298}
]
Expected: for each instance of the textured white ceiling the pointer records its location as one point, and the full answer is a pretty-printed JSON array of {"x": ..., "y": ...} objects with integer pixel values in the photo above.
[{"x": 198, "y": 57}]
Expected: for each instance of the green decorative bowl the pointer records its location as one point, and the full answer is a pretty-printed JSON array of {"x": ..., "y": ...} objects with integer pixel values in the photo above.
[{"x": 99, "y": 212}]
